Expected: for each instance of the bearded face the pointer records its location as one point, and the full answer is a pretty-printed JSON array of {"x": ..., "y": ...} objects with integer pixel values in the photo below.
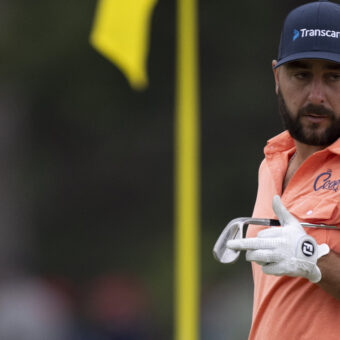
[{"x": 308, "y": 125}]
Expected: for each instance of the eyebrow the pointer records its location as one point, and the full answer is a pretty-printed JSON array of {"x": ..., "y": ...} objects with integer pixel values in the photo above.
[
  {"x": 332, "y": 66},
  {"x": 306, "y": 65},
  {"x": 297, "y": 64}
]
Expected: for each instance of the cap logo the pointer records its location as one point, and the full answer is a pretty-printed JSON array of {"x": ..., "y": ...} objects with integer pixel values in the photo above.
[
  {"x": 304, "y": 33},
  {"x": 296, "y": 34}
]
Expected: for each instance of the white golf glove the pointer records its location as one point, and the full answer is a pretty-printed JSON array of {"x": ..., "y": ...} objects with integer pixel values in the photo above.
[{"x": 285, "y": 250}]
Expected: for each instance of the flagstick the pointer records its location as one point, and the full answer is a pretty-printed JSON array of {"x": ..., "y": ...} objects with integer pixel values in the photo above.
[{"x": 187, "y": 174}]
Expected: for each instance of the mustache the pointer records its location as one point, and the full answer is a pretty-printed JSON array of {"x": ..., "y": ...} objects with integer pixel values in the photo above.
[{"x": 317, "y": 110}]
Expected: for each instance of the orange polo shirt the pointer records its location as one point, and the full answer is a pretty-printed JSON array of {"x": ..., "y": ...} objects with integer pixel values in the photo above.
[{"x": 287, "y": 308}]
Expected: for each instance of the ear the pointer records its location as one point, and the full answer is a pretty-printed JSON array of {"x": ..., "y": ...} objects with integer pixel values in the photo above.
[{"x": 276, "y": 76}]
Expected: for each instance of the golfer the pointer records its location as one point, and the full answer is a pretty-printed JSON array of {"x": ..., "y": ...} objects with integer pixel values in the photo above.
[{"x": 297, "y": 271}]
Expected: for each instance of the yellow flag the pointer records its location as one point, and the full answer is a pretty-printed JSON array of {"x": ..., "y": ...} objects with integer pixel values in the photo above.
[{"x": 121, "y": 33}]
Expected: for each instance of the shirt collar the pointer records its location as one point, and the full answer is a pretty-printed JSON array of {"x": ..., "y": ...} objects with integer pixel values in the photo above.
[
  {"x": 284, "y": 142},
  {"x": 335, "y": 147},
  {"x": 279, "y": 143}
]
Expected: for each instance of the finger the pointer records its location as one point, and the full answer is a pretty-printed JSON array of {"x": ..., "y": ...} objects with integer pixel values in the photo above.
[
  {"x": 277, "y": 269},
  {"x": 254, "y": 243},
  {"x": 271, "y": 232},
  {"x": 264, "y": 256},
  {"x": 282, "y": 213}
]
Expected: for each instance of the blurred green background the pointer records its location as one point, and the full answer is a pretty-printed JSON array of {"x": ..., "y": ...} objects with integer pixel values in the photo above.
[{"x": 86, "y": 175}]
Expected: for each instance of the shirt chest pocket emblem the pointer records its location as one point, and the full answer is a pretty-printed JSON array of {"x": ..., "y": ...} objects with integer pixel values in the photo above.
[{"x": 324, "y": 181}]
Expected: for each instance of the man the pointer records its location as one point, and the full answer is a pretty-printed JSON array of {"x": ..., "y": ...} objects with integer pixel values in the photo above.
[{"x": 297, "y": 272}]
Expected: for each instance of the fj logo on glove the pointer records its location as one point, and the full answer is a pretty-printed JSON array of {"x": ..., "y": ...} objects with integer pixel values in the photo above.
[{"x": 308, "y": 248}]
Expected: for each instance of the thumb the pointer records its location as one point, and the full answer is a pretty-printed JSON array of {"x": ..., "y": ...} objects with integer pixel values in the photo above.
[{"x": 285, "y": 217}]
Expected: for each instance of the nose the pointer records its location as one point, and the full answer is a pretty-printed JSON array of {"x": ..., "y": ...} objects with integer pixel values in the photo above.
[{"x": 316, "y": 94}]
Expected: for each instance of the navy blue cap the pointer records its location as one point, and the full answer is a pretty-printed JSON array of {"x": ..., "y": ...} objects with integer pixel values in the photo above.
[{"x": 311, "y": 31}]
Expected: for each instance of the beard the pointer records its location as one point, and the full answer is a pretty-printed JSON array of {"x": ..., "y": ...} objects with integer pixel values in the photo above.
[{"x": 310, "y": 134}]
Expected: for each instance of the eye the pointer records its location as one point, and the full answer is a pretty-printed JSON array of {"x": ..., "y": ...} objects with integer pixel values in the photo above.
[
  {"x": 334, "y": 76},
  {"x": 302, "y": 75}
]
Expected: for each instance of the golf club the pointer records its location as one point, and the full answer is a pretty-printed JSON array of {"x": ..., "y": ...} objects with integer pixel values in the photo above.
[{"x": 237, "y": 228}]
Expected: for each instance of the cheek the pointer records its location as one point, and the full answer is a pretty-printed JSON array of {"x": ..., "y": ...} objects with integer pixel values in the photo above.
[
  {"x": 294, "y": 104},
  {"x": 334, "y": 99},
  {"x": 293, "y": 100},
  {"x": 293, "y": 91}
]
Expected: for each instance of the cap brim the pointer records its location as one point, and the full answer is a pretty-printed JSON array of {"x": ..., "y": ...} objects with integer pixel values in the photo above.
[{"x": 310, "y": 55}]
